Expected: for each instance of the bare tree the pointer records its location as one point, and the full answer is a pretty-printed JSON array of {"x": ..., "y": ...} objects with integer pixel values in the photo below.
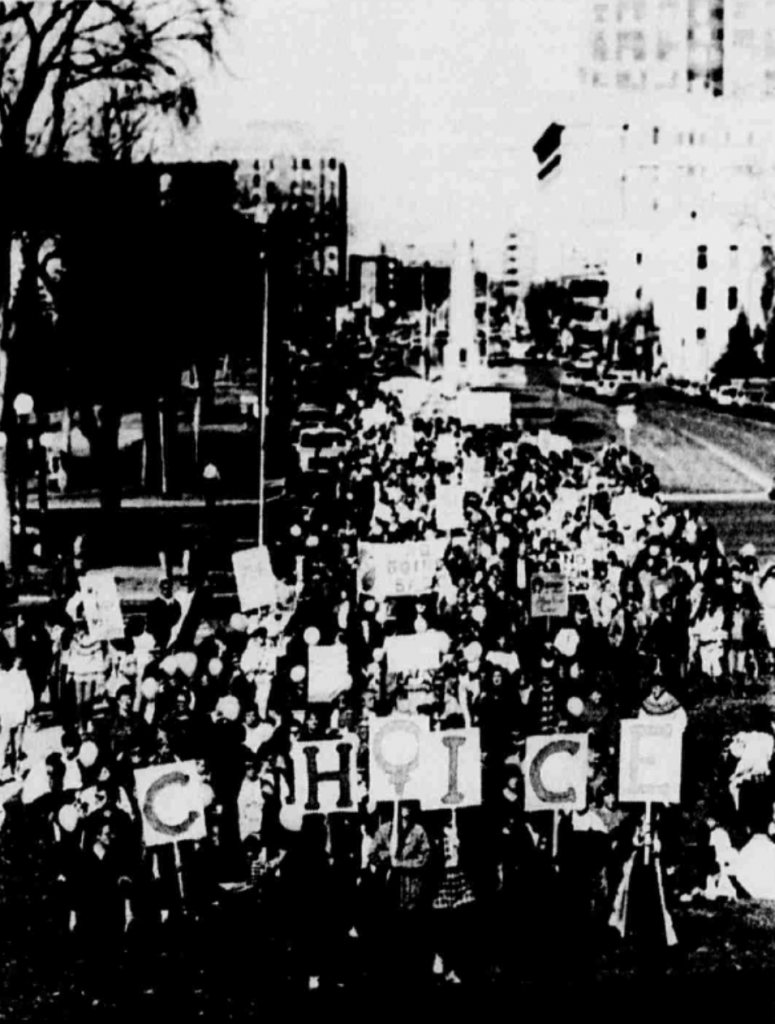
[{"x": 127, "y": 63}]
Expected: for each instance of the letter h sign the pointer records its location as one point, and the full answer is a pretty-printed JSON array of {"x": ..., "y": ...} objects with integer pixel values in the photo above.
[{"x": 325, "y": 775}]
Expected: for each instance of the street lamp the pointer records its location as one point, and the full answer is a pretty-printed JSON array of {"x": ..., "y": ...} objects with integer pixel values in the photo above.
[
  {"x": 627, "y": 420},
  {"x": 23, "y": 406}
]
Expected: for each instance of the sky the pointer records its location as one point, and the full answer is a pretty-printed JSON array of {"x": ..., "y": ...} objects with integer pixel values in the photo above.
[{"x": 433, "y": 104}]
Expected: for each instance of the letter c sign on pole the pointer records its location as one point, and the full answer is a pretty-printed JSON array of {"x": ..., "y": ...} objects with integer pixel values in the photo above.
[
  {"x": 172, "y": 803},
  {"x": 556, "y": 771}
]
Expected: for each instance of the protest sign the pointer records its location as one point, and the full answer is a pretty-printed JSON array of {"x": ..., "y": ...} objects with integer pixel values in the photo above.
[
  {"x": 474, "y": 477},
  {"x": 650, "y": 762},
  {"x": 409, "y": 762},
  {"x": 395, "y": 754},
  {"x": 577, "y": 569},
  {"x": 449, "y": 507},
  {"x": 102, "y": 606},
  {"x": 404, "y": 440},
  {"x": 548, "y": 595},
  {"x": 256, "y": 584},
  {"x": 325, "y": 775},
  {"x": 484, "y": 408},
  {"x": 400, "y": 570},
  {"x": 329, "y": 673},
  {"x": 418, "y": 652},
  {"x": 171, "y": 801},
  {"x": 451, "y": 770},
  {"x": 556, "y": 771}
]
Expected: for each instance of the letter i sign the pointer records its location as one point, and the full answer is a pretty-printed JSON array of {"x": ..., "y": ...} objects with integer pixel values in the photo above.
[{"x": 451, "y": 770}]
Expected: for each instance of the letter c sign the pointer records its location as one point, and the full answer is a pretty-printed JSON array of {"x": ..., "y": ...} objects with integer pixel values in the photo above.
[
  {"x": 172, "y": 803},
  {"x": 556, "y": 774}
]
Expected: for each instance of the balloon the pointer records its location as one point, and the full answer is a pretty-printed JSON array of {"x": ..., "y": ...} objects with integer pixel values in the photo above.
[
  {"x": 88, "y": 754},
  {"x": 311, "y": 636},
  {"x": 379, "y": 653},
  {"x": 575, "y": 707},
  {"x": 238, "y": 623},
  {"x": 420, "y": 625},
  {"x": 229, "y": 707},
  {"x": 295, "y": 531},
  {"x": 215, "y": 666},
  {"x": 149, "y": 689},
  {"x": 187, "y": 663},
  {"x": 291, "y": 817},
  {"x": 478, "y": 614},
  {"x": 369, "y": 606},
  {"x": 169, "y": 665},
  {"x": 313, "y": 541},
  {"x": 298, "y": 673},
  {"x": 69, "y": 818},
  {"x": 473, "y": 652}
]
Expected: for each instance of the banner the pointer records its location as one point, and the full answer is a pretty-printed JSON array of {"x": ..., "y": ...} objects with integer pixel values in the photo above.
[
  {"x": 650, "y": 762},
  {"x": 256, "y": 584},
  {"x": 556, "y": 772},
  {"x": 102, "y": 606},
  {"x": 409, "y": 762},
  {"x": 548, "y": 595},
  {"x": 484, "y": 408},
  {"x": 400, "y": 570},
  {"x": 419, "y": 652},
  {"x": 325, "y": 775},
  {"x": 449, "y": 507},
  {"x": 329, "y": 673},
  {"x": 171, "y": 803}
]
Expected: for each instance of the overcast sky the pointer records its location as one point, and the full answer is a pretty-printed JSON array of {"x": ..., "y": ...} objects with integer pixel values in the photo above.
[{"x": 434, "y": 104}]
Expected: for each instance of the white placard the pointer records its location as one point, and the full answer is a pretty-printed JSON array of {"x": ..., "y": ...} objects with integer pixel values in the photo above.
[
  {"x": 171, "y": 801},
  {"x": 325, "y": 775},
  {"x": 256, "y": 583},
  {"x": 650, "y": 761},
  {"x": 102, "y": 606},
  {"x": 556, "y": 772}
]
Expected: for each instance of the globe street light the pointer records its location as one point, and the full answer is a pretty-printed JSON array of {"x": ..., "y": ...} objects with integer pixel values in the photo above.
[{"x": 627, "y": 420}]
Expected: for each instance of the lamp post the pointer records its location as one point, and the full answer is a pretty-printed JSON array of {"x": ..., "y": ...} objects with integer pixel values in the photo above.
[
  {"x": 627, "y": 420},
  {"x": 23, "y": 407}
]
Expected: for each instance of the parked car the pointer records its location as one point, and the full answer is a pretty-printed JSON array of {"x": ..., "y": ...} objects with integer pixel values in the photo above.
[{"x": 727, "y": 397}]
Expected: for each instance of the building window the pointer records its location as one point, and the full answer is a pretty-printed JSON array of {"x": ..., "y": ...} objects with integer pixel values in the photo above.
[
  {"x": 639, "y": 258},
  {"x": 702, "y": 257},
  {"x": 633, "y": 43},
  {"x": 732, "y": 298},
  {"x": 702, "y": 298},
  {"x": 655, "y": 136},
  {"x": 638, "y": 294},
  {"x": 463, "y": 356},
  {"x": 306, "y": 164},
  {"x": 701, "y": 334},
  {"x": 599, "y": 47}
]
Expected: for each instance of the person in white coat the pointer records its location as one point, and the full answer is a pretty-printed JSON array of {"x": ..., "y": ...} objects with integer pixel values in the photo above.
[{"x": 17, "y": 701}]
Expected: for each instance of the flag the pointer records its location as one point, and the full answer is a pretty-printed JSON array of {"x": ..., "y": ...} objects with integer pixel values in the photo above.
[{"x": 547, "y": 150}]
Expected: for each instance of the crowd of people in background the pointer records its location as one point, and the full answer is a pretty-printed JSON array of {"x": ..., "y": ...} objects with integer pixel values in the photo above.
[{"x": 660, "y": 620}]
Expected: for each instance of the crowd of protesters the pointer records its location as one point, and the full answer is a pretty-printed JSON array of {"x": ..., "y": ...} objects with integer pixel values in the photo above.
[{"x": 660, "y": 619}]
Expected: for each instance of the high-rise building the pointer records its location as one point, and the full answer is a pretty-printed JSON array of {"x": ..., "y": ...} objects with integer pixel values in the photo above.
[
  {"x": 675, "y": 160},
  {"x": 695, "y": 47}
]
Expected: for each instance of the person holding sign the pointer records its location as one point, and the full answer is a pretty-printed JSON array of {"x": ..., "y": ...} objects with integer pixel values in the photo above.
[
  {"x": 452, "y": 905},
  {"x": 400, "y": 855}
]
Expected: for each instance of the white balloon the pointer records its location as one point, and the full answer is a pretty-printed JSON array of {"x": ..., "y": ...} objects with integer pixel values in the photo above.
[
  {"x": 88, "y": 754},
  {"x": 238, "y": 623},
  {"x": 298, "y": 673},
  {"x": 473, "y": 652},
  {"x": 479, "y": 614},
  {"x": 187, "y": 663},
  {"x": 311, "y": 636},
  {"x": 69, "y": 818},
  {"x": 575, "y": 707},
  {"x": 291, "y": 817},
  {"x": 169, "y": 665},
  {"x": 149, "y": 689},
  {"x": 215, "y": 666},
  {"x": 229, "y": 707}
]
